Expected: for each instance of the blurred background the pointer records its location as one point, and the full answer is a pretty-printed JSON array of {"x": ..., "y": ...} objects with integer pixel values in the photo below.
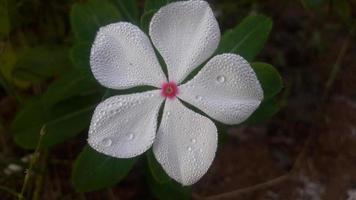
[{"x": 306, "y": 151}]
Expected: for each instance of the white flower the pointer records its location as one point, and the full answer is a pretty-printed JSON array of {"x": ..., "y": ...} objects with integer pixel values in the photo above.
[{"x": 186, "y": 34}]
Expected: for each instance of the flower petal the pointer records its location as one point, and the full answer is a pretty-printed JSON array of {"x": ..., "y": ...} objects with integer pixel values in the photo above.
[
  {"x": 125, "y": 126},
  {"x": 123, "y": 57},
  {"x": 226, "y": 89},
  {"x": 185, "y": 144},
  {"x": 186, "y": 34}
]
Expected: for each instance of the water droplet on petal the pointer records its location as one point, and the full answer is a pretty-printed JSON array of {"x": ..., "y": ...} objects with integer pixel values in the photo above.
[
  {"x": 168, "y": 113},
  {"x": 220, "y": 79},
  {"x": 198, "y": 97},
  {"x": 189, "y": 148},
  {"x": 130, "y": 136},
  {"x": 194, "y": 140},
  {"x": 106, "y": 142}
]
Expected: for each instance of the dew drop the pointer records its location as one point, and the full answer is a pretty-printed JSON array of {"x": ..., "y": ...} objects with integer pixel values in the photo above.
[
  {"x": 106, "y": 142},
  {"x": 194, "y": 140},
  {"x": 220, "y": 79},
  {"x": 189, "y": 148},
  {"x": 130, "y": 136},
  {"x": 198, "y": 97},
  {"x": 168, "y": 113}
]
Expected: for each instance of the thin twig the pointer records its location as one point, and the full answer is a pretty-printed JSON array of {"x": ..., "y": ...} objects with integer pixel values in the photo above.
[
  {"x": 40, "y": 177},
  {"x": 34, "y": 159},
  {"x": 337, "y": 65}
]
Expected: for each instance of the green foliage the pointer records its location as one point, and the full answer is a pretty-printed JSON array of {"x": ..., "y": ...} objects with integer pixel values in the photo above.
[
  {"x": 146, "y": 19},
  {"x": 267, "y": 109},
  {"x": 269, "y": 78},
  {"x": 93, "y": 170},
  {"x": 4, "y": 20},
  {"x": 63, "y": 117},
  {"x": 87, "y": 18},
  {"x": 67, "y": 105},
  {"x": 129, "y": 9},
  {"x": 60, "y": 126},
  {"x": 8, "y": 59},
  {"x": 155, "y": 4},
  {"x": 248, "y": 38},
  {"x": 71, "y": 84},
  {"x": 161, "y": 185},
  {"x": 343, "y": 9},
  {"x": 311, "y": 4},
  {"x": 79, "y": 55},
  {"x": 155, "y": 168},
  {"x": 272, "y": 84},
  {"x": 40, "y": 63}
]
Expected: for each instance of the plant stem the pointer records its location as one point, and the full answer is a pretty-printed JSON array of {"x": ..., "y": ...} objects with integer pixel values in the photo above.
[
  {"x": 39, "y": 179},
  {"x": 34, "y": 159},
  {"x": 337, "y": 65}
]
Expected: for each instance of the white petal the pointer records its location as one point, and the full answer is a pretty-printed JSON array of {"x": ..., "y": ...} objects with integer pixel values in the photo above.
[
  {"x": 125, "y": 126},
  {"x": 186, "y": 34},
  {"x": 185, "y": 144},
  {"x": 226, "y": 89},
  {"x": 123, "y": 57}
]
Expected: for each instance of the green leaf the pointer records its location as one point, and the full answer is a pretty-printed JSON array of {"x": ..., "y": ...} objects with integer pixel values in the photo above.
[
  {"x": 40, "y": 63},
  {"x": 267, "y": 109},
  {"x": 33, "y": 116},
  {"x": 248, "y": 38},
  {"x": 80, "y": 56},
  {"x": 156, "y": 170},
  {"x": 86, "y": 18},
  {"x": 93, "y": 170},
  {"x": 4, "y": 20},
  {"x": 155, "y": 4},
  {"x": 146, "y": 19},
  {"x": 269, "y": 78},
  {"x": 73, "y": 83},
  {"x": 8, "y": 59},
  {"x": 312, "y": 4},
  {"x": 129, "y": 9},
  {"x": 343, "y": 9},
  {"x": 163, "y": 190}
]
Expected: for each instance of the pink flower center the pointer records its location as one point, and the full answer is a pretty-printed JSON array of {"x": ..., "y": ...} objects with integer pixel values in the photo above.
[{"x": 169, "y": 90}]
